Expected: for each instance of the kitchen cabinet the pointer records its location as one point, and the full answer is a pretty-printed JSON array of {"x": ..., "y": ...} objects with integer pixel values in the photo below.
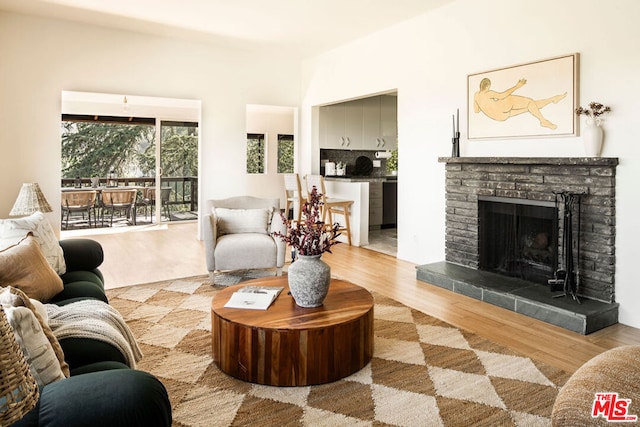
[
  {"x": 389, "y": 121},
  {"x": 332, "y": 126},
  {"x": 375, "y": 205},
  {"x": 364, "y": 124},
  {"x": 371, "y": 124},
  {"x": 390, "y": 203},
  {"x": 353, "y": 124},
  {"x": 341, "y": 126},
  {"x": 380, "y": 123}
]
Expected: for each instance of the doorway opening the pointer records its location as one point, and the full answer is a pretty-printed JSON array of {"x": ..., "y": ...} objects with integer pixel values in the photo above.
[
  {"x": 115, "y": 144},
  {"x": 271, "y": 148}
]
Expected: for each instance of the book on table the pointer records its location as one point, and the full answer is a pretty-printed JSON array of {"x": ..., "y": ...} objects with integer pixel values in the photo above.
[{"x": 254, "y": 297}]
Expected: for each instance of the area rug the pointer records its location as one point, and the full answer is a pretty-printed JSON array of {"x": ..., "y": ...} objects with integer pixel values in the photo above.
[{"x": 424, "y": 372}]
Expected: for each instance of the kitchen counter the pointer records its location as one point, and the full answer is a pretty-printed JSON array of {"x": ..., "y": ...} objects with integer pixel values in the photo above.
[
  {"x": 362, "y": 178},
  {"x": 358, "y": 191},
  {"x": 356, "y": 188}
]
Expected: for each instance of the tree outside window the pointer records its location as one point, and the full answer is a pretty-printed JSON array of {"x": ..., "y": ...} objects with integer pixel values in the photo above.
[
  {"x": 255, "y": 153},
  {"x": 95, "y": 149},
  {"x": 285, "y": 153},
  {"x": 99, "y": 148}
]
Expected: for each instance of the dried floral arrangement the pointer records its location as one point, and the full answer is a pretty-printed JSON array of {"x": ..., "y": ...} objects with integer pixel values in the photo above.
[
  {"x": 595, "y": 110},
  {"x": 310, "y": 236}
]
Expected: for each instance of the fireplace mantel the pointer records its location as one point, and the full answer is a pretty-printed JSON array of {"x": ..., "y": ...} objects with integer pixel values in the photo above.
[{"x": 551, "y": 161}]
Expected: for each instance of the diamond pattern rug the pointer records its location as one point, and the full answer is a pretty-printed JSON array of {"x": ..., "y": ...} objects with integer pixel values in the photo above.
[{"x": 424, "y": 372}]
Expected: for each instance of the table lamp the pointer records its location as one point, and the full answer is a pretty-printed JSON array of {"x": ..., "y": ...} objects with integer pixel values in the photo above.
[
  {"x": 18, "y": 389},
  {"x": 30, "y": 200}
]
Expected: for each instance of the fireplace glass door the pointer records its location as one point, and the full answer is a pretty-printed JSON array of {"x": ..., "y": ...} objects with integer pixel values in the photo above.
[{"x": 518, "y": 238}]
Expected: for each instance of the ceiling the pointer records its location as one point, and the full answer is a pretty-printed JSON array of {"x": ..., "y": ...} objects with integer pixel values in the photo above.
[{"x": 300, "y": 28}]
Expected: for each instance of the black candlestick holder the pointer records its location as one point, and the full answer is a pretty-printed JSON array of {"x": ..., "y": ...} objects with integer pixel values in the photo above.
[{"x": 455, "y": 145}]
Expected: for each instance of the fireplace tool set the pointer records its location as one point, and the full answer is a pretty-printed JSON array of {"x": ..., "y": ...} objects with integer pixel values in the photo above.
[{"x": 567, "y": 279}]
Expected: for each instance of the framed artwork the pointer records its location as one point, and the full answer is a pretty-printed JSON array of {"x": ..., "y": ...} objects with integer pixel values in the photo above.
[{"x": 532, "y": 100}]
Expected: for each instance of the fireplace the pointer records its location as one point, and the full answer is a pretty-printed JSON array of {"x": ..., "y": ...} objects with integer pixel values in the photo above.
[
  {"x": 503, "y": 237},
  {"x": 536, "y": 181},
  {"x": 518, "y": 238}
]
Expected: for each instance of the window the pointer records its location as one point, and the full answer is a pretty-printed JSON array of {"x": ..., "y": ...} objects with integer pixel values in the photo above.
[
  {"x": 285, "y": 153},
  {"x": 255, "y": 153}
]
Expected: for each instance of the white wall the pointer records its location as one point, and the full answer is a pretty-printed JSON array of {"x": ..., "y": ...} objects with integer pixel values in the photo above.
[
  {"x": 428, "y": 59},
  {"x": 42, "y": 57}
]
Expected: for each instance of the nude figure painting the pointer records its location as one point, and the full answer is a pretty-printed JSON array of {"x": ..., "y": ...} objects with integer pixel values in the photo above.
[{"x": 532, "y": 100}]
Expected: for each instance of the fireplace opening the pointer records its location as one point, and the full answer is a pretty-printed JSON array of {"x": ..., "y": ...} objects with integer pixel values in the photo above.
[{"x": 518, "y": 238}]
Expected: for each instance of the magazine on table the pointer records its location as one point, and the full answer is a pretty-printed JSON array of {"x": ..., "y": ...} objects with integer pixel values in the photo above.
[{"x": 254, "y": 297}]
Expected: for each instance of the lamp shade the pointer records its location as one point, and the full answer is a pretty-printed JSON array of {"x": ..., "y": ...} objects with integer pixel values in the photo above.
[
  {"x": 18, "y": 389},
  {"x": 30, "y": 200}
]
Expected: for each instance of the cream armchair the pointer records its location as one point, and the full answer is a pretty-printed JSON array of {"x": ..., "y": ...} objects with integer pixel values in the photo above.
[{"x": 237, "y": 234}]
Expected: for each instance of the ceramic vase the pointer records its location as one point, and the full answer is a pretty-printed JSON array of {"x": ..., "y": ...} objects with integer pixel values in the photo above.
[
  {"x": 592, "y": 138},
  {"x": 309, "y": 278}
]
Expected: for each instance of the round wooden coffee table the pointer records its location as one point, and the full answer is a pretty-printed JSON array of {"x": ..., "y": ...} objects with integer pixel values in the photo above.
[{"x": 287, "y": 345}]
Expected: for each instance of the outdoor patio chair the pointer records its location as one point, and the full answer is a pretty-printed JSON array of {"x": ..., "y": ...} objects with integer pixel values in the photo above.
[
  {"x": 149, "y": 200},
  {"x": 121, "y": 200},
  {"x": 83, "y": 201}
]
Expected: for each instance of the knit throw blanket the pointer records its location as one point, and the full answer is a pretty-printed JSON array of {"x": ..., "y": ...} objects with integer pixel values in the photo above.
[{"x": 95, "y": 320}]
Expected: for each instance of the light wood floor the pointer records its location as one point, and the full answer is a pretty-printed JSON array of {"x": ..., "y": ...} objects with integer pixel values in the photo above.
[
  {"x": 172, "y": 251},
  {"x": 151, "y": 253}
]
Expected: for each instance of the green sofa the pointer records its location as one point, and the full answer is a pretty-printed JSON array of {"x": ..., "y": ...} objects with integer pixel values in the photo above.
[{"x": 102, "y": 390}]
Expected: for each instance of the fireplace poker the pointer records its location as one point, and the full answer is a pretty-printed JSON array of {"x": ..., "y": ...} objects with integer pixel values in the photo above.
[
  {"x": 579, "y": 198},
  {"x": 560, "y": 274},
  {"x": 568, "y": 233}
]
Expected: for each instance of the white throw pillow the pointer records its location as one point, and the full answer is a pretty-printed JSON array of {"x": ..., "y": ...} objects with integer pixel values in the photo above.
[
  {"x": 13, "y": 297},
  {"x": 42, "y": 231},
  {"x": 37, "y": 349},
  {"x": 236, "y": 221}
]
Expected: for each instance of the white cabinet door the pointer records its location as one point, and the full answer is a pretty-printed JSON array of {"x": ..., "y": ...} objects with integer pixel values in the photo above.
[
  {"x": 389, "y": 121},
  {"x": 380, "y": 123},
  {"x": 371, "y": 123},
  {"x": 332, "y": 122},
  {"x": 353, "y": 125}
]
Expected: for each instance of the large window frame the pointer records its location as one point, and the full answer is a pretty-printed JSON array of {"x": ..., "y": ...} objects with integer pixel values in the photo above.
[{"x": 149, "y": 152}]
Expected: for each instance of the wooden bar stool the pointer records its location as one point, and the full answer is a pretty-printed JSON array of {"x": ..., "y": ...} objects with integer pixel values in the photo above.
[
  {"x": 340, "y": 207},
  {"x": 331, "y": 206},
  {"x": 293, "y": 195}
]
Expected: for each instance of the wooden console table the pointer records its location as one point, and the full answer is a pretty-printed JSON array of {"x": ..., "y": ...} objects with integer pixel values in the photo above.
[{"x": 287, "y": 345}]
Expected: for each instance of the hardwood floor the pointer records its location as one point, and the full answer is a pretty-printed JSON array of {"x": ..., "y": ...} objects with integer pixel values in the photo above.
[
  {"x": 149, "y": 253},
  {"x": 168, "y": 252}
]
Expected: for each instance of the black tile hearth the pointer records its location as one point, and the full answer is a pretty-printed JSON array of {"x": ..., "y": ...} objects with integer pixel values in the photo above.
[{"x": 531, "y": 299}]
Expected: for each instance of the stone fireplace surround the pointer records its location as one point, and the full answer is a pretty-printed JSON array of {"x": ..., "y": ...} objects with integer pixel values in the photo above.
[{"x": 536, "y": 179}]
